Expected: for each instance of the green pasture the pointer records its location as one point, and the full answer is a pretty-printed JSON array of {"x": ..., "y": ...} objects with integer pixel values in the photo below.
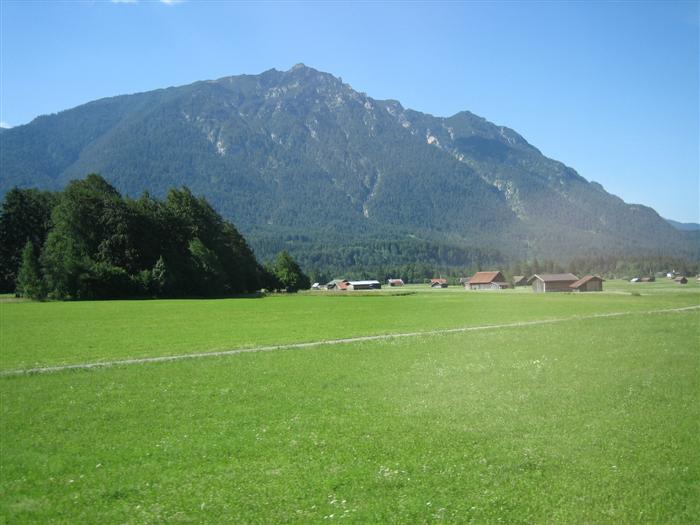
[
  {"x": 51, "y": 333},
  {"x": 592, "y": 420}
]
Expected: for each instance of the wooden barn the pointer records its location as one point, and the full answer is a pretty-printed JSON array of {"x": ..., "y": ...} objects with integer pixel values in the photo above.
[
  {"x": 519, "y": 280},
  {"x": 589, "y": 283},
  {"x": 487, "y": 281},
  {"x": 395, "y": 282},
  {"x": 438, "y": 283},
  {"x": 338, "y": 284},
  {"x": 552, "y": 282},
  {"x": 364, "y": 285}
]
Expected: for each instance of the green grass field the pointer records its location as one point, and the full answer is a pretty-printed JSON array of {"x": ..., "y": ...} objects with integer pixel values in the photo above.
[{"x": 588, "y": 420}]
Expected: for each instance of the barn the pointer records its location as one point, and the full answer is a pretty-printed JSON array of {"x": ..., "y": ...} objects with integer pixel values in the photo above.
[
  {"x": 395, "y": 282},
  {"x": 519, "y": 280},
  {"x": 438, "y": 283},
  {"x": 552, "y": 282},
  {"x": 364, "y": 285},
  {"x": 337, "y": 284},
  {"x": 589, "y": 283},
  {"x": 487, "y": 281}
]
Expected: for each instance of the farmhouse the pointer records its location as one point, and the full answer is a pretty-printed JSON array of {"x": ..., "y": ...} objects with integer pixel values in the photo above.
[
  {"x": 395, "y": 282},
  {"x": 338, "y": 284},
  {"x": 364, "y": 285},
  {"x": 590, "y": 283},
  {"x": 552, "y": 282},
  {"x": 519, "y": 280},
  {"x": 438, "y": 283},
  {"x": 680, "y": 280},
  {"x": 487, "y": 281}
]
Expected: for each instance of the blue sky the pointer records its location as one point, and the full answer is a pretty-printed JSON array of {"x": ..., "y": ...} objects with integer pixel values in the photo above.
[{"x": 610, "y": 89}]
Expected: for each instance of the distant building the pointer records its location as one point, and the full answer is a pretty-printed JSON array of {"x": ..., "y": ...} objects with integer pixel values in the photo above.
[
  {"x": 589, "y": 283},
  {"x": 487, "y": 281},
  {"x": 364, "y": 285},
  {"x": 338, "y": 284},
  {"x": 519, "y": 280},
  {"x": 438, "y": 283},
  {"x": 552, "y": 282},
  {"x": 635, "y": 280},
  {"x": 649, "y": 279},
  {"x": 316, "y": 286},
  {"x": 395, "y": 282},
  {"x": 680, "y": 280}
]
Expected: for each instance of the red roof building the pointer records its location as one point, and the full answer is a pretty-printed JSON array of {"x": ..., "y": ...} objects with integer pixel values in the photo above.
[{"x": 487, "y": 281}]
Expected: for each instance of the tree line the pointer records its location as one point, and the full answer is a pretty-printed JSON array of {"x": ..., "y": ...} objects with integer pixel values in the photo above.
[{"x": 89, "y": 242}]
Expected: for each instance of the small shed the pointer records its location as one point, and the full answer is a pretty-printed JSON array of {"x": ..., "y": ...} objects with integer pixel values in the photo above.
[
  {"x": 519, "y": 280},
  {"x": 487, "y": 281},
  {"x": 680, "y": 280},
  {"x": 395, "y": 282},
  {"x": 364, "y": 285},
  {"x": 589, "y": 283},
  {"x": 438, "y": 283},
  {"x": 552, "y": 282}
]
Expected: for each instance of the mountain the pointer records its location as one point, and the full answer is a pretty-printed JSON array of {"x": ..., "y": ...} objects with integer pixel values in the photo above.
[
  {"x": 298, "y": 159},
  {"x": 684, "y": 226}
]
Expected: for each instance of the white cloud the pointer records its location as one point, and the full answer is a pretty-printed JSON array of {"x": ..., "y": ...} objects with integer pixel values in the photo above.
[
  {"x": 4, "y": 124},
  {"x": 172, "y": 2}
]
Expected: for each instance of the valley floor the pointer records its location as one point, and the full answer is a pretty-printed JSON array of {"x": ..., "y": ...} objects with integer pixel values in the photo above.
[{"x": 590, "y": 418}]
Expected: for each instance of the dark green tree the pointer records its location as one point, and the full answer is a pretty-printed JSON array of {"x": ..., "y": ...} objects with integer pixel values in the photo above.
[
  {"x": 26, "y": 214},
  {"x": 29, "y": 280},
  {"x": 289, "y": 274}
]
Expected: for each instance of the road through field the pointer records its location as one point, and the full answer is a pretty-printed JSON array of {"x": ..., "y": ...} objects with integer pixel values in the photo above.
[{"x": 328, "y": 342}]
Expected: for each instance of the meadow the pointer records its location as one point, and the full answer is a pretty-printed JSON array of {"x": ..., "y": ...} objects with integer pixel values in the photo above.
[{"x": 587, "y": 420}]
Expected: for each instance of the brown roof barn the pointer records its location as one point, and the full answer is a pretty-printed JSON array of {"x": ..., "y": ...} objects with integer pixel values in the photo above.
[
  {"x": 438, "y": 283},
  {"x": 487, "y": 281},
  {"x": 552, "y": 282},
  {"x": 590, "y": 283},
  {"x": 519, "y": 280}
]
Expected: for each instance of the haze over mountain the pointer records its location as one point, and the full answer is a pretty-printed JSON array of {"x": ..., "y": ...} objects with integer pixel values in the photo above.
[{"x": 298, "y": 158}]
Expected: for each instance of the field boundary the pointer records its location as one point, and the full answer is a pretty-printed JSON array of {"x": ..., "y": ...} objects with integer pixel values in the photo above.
[{"x": 326, "y": 342}]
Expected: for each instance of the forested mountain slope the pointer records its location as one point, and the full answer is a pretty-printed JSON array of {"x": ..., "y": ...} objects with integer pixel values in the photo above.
[{"x": 300, "y": 159}]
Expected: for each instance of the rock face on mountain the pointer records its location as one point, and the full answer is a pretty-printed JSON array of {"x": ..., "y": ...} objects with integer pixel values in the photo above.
[{"x": 300, "y": 153}]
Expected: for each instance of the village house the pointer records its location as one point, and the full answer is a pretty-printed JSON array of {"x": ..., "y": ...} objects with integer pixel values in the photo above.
[
  {"x": 487, "y": 281},
  {"x": 395, "y": 282},
  {"x": 519, "y": 280},
  {"x": 364, "y": 285},
  {"x": 438, "y": 283},
  {"x": 338, "y": 284},
  {"x": 552, "y": 282},
  {"x": 589, "y": 283}
]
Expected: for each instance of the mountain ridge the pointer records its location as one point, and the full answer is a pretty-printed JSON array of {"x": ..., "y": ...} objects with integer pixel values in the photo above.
[{"x": 299, "y": 151}]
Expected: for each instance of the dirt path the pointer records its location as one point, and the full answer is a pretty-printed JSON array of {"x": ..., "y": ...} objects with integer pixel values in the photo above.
[{"x": 348, "y": 340}]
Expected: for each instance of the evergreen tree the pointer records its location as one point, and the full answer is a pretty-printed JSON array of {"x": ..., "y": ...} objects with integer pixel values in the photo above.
[
  {"x": 289, "y": 274},
  {"x": 29, "y": 281}
]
